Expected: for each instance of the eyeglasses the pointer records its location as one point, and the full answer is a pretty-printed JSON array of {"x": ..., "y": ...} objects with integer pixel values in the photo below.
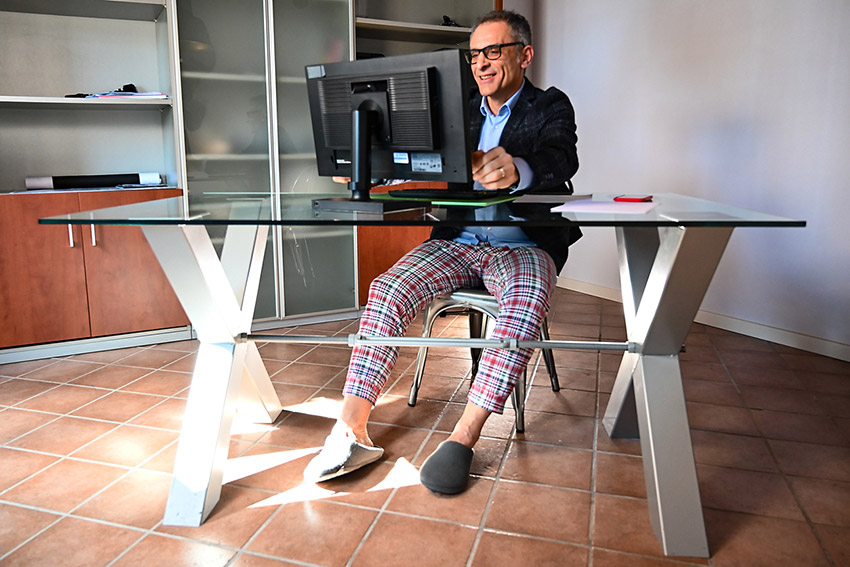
[{"x": 491, "y": 52}]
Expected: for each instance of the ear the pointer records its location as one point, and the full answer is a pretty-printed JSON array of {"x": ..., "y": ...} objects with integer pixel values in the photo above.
[{"x": 526, "y": 55}]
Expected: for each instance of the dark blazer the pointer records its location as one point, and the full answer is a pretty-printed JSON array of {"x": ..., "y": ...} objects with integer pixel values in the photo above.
[{"x": 542, "y": 131}]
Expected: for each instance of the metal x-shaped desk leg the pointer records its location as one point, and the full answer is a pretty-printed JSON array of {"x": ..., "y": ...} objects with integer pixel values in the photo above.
[
  {"x": 219, "y": 296},
  {"x": 664, "y": 274}
]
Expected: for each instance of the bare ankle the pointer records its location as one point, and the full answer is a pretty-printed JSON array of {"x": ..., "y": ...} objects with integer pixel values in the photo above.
[
  {"x": 468, "y": 428},
  {"x": 464, "y": 438},
  {"x": 354, "y": 417},
  {"x": 359, "y": 433}
]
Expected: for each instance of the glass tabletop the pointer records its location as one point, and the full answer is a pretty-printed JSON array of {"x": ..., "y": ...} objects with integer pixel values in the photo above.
[{"x": 294, "y": 209}]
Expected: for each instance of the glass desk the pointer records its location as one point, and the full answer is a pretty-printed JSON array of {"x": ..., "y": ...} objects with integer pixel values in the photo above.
[{"x": 667, "y": 257}]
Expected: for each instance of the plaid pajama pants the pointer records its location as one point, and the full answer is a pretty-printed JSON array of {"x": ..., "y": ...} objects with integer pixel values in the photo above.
[{"x": 521, "y": 279}]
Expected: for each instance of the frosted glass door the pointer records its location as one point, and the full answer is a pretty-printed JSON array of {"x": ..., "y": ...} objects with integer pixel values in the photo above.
[
  {"x": 237, "y": 141},
  {"x": 317, "y": 262},
  {"x": 225, "y": 93},
  {"x": 223, "y": 73}
]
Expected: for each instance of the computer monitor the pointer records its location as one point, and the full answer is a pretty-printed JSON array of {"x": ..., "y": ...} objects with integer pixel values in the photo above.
[{"x": 399, "y": 117}]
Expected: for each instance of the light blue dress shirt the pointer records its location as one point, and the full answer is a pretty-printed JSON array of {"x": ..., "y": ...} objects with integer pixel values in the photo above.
[{"x": 491, "y": 134}]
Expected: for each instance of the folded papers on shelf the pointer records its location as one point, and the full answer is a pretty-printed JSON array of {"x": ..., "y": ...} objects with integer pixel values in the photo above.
[
  {"x": 152, "y": 94},
  {"x": 127, "y": 91},
  {"x": 91, "y": 181}
]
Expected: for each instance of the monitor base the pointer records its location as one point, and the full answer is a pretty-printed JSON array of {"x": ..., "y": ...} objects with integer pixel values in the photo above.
[{"x": 375, "y": 206}]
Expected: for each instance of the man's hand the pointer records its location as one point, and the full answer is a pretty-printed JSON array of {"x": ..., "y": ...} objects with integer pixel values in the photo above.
[{"x": 494, "y": 169}]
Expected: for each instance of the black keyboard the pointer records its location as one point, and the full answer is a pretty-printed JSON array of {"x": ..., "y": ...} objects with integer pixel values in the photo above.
[{"x": 448, "y": 194}]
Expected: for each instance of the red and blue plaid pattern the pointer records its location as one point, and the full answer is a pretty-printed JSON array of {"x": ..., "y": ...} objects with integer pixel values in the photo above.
[{"x": 521, "y": 279}]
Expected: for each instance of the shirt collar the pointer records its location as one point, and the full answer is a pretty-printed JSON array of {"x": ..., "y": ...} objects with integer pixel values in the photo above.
[{"x": 506, "y": 108}]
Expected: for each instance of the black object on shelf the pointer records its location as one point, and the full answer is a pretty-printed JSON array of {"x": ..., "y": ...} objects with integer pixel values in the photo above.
[
  {"x": 92, "y": 181},
  {"x": 128, "y": 88}
]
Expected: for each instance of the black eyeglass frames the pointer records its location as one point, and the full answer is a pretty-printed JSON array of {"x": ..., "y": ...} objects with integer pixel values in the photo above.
[{"x": 491, "y": 52}]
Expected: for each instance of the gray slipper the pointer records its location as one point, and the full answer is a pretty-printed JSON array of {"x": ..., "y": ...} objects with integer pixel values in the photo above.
[
  {"x": 447, "y": 469},
  {"x": 340, "y": 455}
]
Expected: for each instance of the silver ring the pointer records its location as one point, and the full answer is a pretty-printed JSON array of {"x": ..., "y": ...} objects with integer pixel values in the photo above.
[{"x": 502, "y": 169}]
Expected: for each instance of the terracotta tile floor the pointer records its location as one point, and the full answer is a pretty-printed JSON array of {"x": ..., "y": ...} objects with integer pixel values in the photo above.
[{"x": 88, "y": 443}]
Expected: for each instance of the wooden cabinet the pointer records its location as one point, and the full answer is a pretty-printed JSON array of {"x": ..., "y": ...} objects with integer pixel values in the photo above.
[
  {"x": 61, "y": 283},
  {"x": 42, "y": 275},
  {"x": 127, "y": 290}
]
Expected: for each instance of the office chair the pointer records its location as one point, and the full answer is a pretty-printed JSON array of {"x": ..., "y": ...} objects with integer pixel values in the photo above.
[{"x": 478, "y": 304}]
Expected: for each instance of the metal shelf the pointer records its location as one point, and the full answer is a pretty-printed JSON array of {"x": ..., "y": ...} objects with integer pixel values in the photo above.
[
  {"x": 239, "y": 77},
  {"x": 141, "y": 10},
  {"x": 227, "y": 157},
  {"x": 62, "y": 103},
  {"x": 371, "y": 28},
  {"x": 249, "y": 157},
  {"x": 224, "y": 77},
  {"x": 55, "y": 102}
]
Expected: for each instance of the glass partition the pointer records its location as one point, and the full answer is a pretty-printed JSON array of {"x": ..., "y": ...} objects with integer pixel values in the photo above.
[
  {"x": 247, "y": 134},
  {"x": 317, "y": 262}
]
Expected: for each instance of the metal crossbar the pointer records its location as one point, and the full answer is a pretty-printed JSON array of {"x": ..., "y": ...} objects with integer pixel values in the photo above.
[{"x": 509, "y": 344}]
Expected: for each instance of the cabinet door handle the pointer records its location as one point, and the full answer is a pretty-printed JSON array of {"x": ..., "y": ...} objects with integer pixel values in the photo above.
[
  {"x": 93, "y": 237},
  {"x": 71, "y": 235}
]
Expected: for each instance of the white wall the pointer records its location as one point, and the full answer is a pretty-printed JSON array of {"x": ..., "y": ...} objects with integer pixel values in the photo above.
[{"x": 740, "y": 101}]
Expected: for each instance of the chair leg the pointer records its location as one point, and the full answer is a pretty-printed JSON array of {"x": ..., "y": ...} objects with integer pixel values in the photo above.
[
  {"x": 518, "y": 397},
  {"x": 549, "y": 357},
  {"x": 417, "y": 376},
  {"x": 476, "y": 331},
  {"x": 428, "y": 317}
]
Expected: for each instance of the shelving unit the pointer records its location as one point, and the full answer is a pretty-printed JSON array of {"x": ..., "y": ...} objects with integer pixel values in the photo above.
[
  {"x": 140, "y": 10},
  {"x": 53, "y": 48},
  {"x": 62, "y": 297},
  {"x": 410, "y": 26},
  {"x": 387, "y": 30},
  {"x": 58, "y": 103}
]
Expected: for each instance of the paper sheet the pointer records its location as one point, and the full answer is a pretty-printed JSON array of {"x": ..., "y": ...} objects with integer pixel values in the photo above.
[{"x": 606, "y": 207}]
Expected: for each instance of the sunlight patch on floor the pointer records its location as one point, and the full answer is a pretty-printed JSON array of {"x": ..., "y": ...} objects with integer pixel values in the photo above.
[
  {"x": 402, "y": 474},
  {"x": 320, "y": 407},
  {"x": 241, "y": 467}
]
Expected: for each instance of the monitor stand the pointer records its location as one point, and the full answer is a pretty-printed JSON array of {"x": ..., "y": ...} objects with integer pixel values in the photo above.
[
  {"x": 365, "y": 121},
  {"x": 375, "y": 206}
]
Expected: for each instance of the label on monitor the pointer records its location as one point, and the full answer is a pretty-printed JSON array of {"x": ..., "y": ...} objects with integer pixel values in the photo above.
[
  {"x": 401, "y": 158},
  {"x": 426, "y": 163}
]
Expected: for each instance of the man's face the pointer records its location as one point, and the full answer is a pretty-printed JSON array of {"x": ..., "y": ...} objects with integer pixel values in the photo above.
[{"x": 498, "y": 79}]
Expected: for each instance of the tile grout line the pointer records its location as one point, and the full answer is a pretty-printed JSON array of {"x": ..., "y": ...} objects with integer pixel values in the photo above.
[
  {"x": 785, "y": 478},
  {"x": 498, "y": 476},
  {"x": 779, "y": 468},
  {"x": 32, "y": 537},
  {"x": 593, "y": 466},
  {"x": 510, "y": 442},
  {"x": 70, "y": 457},
  {"x": 395, "y": 490},
  {"x": 490, "y": 499},
  {"x": 69, "y": 415},
  {"x": 145, "y": 532}
]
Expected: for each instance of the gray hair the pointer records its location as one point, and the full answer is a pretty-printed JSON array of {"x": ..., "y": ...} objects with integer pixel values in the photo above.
[{"x": 520, "y": 28}]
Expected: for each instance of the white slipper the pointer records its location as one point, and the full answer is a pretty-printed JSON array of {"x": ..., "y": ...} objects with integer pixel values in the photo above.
[{"x": 340, "y": 455}]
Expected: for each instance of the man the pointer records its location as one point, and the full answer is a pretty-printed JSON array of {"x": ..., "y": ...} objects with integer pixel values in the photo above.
[{"x": 526, "y": 139}]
